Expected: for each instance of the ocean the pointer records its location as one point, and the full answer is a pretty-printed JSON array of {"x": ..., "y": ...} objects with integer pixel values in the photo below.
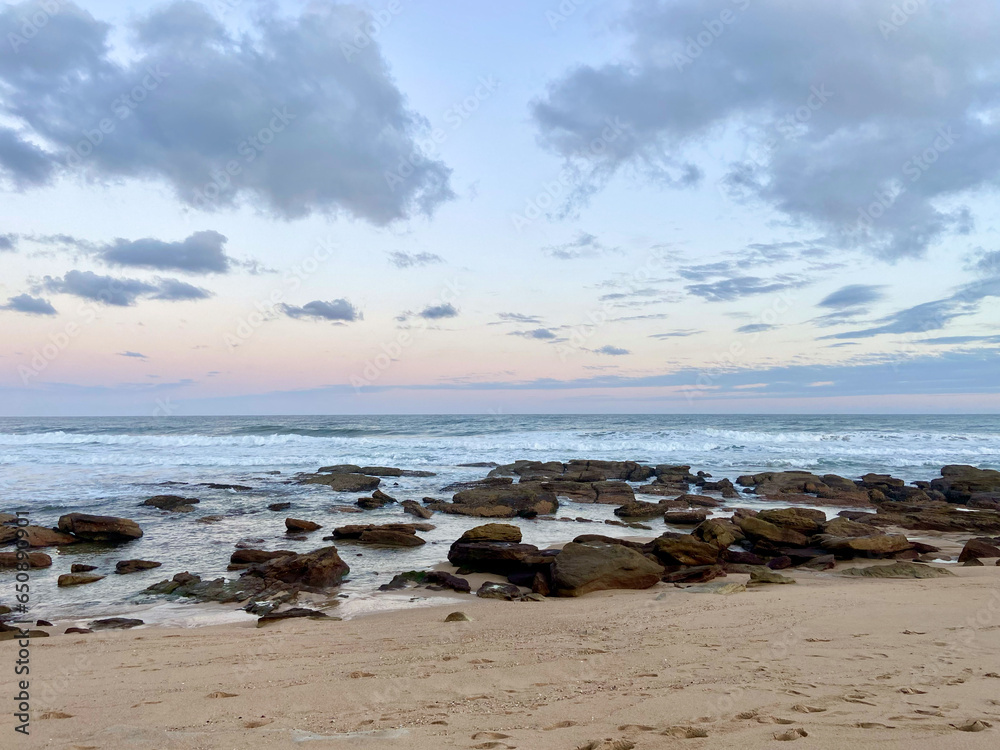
[{"x": 108, "y": 466}]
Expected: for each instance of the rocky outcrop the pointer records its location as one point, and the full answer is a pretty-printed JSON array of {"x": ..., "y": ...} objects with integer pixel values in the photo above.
[
  {"x": 757, "y": 529},
  {"x": 581, "y": 568},
  {"x": 782, "y": 485},
  {"x": 897, "y": 570},
  {"x": 501, "y": 558},
  {"x": 172, "y": 503},
  {"x": 674, "y": 550},
  {"x": 99, "y": 528},
  {"x": 963, "y": 484},
  {"x": 124, "y": 567},
  {"x": 343, "y": 482},
  {"x": 436, "y": 580},
  {"x": 878, "y": 545},
  {"x": 492, "y": 532},
  {"x": 33, "y": 559},
  {"x": 575, "y": 471},
  {"x": 297, "y": 524},
  {"x": 937, "y": 517},
  {"x": 804, "y": 520},
  {"x": 525, "y": 500}
]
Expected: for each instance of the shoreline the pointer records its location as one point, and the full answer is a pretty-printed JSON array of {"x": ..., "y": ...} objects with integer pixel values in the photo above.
[{"x": 627, "y": 665}]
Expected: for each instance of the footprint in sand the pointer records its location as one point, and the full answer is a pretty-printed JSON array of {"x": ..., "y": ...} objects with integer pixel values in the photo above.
[
  {"x": 972, "y": 726},
  {"x": 560, "y": 725},
  {"x": 608, "y": 745},
  {"x": 257, "y": 723},
  {"x": 491, "y": 745},
  {"x": 490, "y": 736},
  {"x": 804, "y": 709},
  {"x": 55, "y": 715},
  {"x": 636, "y": 727},
  {"x": 791, "y": 734},
  {"x": 684, "y": 733},
  {"x": 773, "y": 720},
  {"x": 220, "y": 694},
  {"x": 873, "y": 725},
  {"x": 912, "y": 691}
]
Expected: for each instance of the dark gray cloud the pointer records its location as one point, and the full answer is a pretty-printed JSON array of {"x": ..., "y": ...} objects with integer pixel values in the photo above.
[
  {"x": 854, "y": 123},
  {"x": 409, "y": 260},
  {"x": 202, "y": 252},
  {"x": 337, "y": 310},
  {"x": 25, "y": 303},
  {"x": 612, "y": 351},
  {"x": 727, "y": 290},
  {"x": 116, "y": 292},
  {"x": 585, "y": 245},
  {"x": 853, "y": 295},
  {"x": 437, "y": 312},
  {"x": 756, "y": 328},
  {"x": 133, "y": 355},
  {"x": 277, "y": 115},
  {"x": 8, "y": 242}
]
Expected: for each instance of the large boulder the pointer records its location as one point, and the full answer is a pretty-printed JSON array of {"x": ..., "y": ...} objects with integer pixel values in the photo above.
[
  {"x": 720, "y": 532},
  {"x": 39, "y": 536},
  {"x": 255, "y": 556},
  {"x": 804, "y": 520},
  {"x": 319, "y": 569},
  {"x": 173, "y": 503},
  {"x": 581, "y": 568},
  {"x": 100, "y": 528},
  {"x": 492, "y": 532},
  {"x": 32, "y": 559},
  {"x": 683, "y": 549},
  {"x": 783, "y": 485},
  {"x": 389, "y": 538},
  {"x": 977, "y": 548},
  {"x": 343, "y": 481},
  {"x": 960, "y": 483},
  {"x": 845, "y": 527},
  {"x": 878, "y": 545},
  {"x": 526, "y": 500},
  {"x": 502, "y": 558},
  {"x": 757, "y": 529}
]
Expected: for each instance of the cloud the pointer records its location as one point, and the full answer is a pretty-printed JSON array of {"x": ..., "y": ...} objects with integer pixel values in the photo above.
[
  {"x": 25, "y": 303},
  {"x": 120, "y": 292},
  {"x": 409, "y": 260},
  {"x": 945, "y": 340},
  {"x": 437, "y": 312},
  {"x": 612, "y": 351},
  {"x": 518, "y": 318},
  {"x": 929, "y": 316},
  {"x": 727, "y": 290},
  {"x": 135, "y": 355},
  {"x": 288, "y": 114},
  {"x": 852, "y": 295},
  {"x": 585, "y": 245},
  {"x": 843, "y": 113},
  {"x": 537, "y": 333},
  {"x": 202, "y": 252},
  {"x": 680, "y": 333},
  {"x": 337, "y": 310},
  {"x": 8, "y": 242},
  {"x": 756, "y": 328}
]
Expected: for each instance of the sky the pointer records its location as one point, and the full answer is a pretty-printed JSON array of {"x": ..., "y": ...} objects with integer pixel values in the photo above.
[{"x": 720, "y": 206}]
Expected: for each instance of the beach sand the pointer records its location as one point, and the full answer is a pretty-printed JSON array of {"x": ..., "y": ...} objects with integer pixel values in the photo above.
[{"x": 853, "y": 663}]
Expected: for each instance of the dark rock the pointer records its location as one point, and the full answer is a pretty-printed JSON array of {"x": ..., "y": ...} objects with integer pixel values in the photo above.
[
  {"x": 779, "y": 563},
  {"x": 124, "y": 567},
  {"x": 381, "y": 471},
  {"x": 742, "y": 558},
  {"x": 639, "y": 509},
  {"x": 378, "y": 500},
  {"x": 279, "y": 506},
  {"x": 33, "y": 559},
  {"x": 976, "y": 548},
  {"x": 524, "y": 500},
  {"x": 700, "y": 501},
  {"x": 684, "y": 549},
  {"x": 356, "y": 531},
  {"x": 492, "y": 532},
  {"x": 43, "y": 624},
  {"x": 78, "y": 631},
  {"x": 255, "y": 556},
  {"x": 502, "y": 558},
  {"x": 221, "y": 486},
  {"x": 824, "y": 562},
  {"x": 297, "y": 524},
  {"x": 588, "y": 538},
  {"x": 897, "y": 570},
  {"x": 685, "y": 517},
  {"x": 173, "y": 503},
  {"x": 77, "y": 579},
  {"x": 115, "y": 623},
  {"x": 973, "y": 562},
  {"x": 319, "y": 569},
  {"x": 581, "y": 568},
  {"x": 960, "y": 483},
  {"x": 431, "y": 579},
  {"x": 81, "y": 568},
  {"x": 343, "y": 482},
  {"x": 388, "y": 538},
  {"x": 493, "y": 590},
  {"x": 340, "y": 469},
  {"x": 697, "y": 574},
  {"x": 100, "y": 528},
  {"x": 416, "y": 509},
  {"x": 291, "y": 614}
]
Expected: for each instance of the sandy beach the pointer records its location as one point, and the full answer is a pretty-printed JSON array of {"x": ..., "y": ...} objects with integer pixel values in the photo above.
[{"x": 871, "y": 663}]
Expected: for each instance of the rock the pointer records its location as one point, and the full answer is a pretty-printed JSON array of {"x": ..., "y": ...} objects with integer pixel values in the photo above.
[
  {"x": 492, "y": 532},
  {"x": 319, "y": 569},
  {"x": 433, "y": 579},
  {"x": 804, "y": 520},
  {"x": 613, "y": 493},
  {"x": 785, "y": 485},
  {"x": 222, "y": 486},
  {"x": 387, "y": 538},
  {"x": 297, "y": 524},
  {"x": 255, "y": 556},
  {"x": 33, "y": 559},
  {"x": 698, "y": 574},
  {"x": 457, "y": 617},
  {"x": 501, "y": 558},
  {"x": 685, "y": 517},
  {"x": 100, "y": 528},
  {"x": 973, "y": 562},
  {"x": 416, "y": 509},
  {"x": 716, "y": 587},
  {"x": 825, "y": 562},
  {"x": 721, "y": 532},
  {"x": 357, "y": 532},
  {"x": 639, "y": 509},
  {"x": 897, "y": 570},
  {"x": 76, "y": 579},
  {"x": 291, "y": 614},
  {"x": 79, "y": 631},
  {"x": 381, "y": 471},
  {"x": 877, "y": 545},
  {"x": 9, "y": 633},
  {"x": 173, "y": 503},
  {"x": 976, "y": 548},
  {"x": 845, "y": 527},
  {"x": 629, "y": 524},
  {"x": 44, "y": 624},
  {"x": 115, "y": 623},
  {"x": 581, "y": 568},
  {"x": 764, "y": 575},
  {"x": 699, "y": 501},
  {"x": 493, "y": 590},
  {"x": 279, "y": 506},
  {"x": 378, "y": 500},
  {"x": 941, "y": 517},
  {"x": 524, "y": 500},
  {"x": 756, "y": 529},
  {"x": 344, "y": 482},
  {"x": 684, "y": 549},
  {"x": 600, "y": 539},
  {"x": 960, "y": 483},
  {"x": 124, "y": 567},
  {"x": 81, "y": 568},
  {"x": 39, "y": 536},
  {"x": 340, "y": 469}
]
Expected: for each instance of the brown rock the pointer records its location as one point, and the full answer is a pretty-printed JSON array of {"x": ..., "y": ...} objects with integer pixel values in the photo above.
[
  {"x": 344, "y": 482},
  {"x": 492, "y": 532},
  {"x": 581, "y": 568},
  {"x": 755, "y": 529},
  {"x": 76, "y": 579},
  {"x": 845, "y": 527},
  {"x": 390, "y": 538},
  {"x": 526, "y": 500},
  {"x": 297, "y": 524},
  {"x": 33, "y": 559},
  {"x": 877, "y": 545},
  {"x": 416, "y": 509},
  {"x": 718, "y": 531},
  {"x": 685, "y": 517},
  {"x": 38, "y": 536},
  {"x": 684, "y": 549},
  {"x": 173, "y": 503},
  {"x": 804, "y": 520},
  {"x": 976, "y": 548},
  {"x": 100, "y": 528},
  {"x": 81, "y": 568},
  {"x": 124, "y": 567},
  {"x": 319, "y": 569}
]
